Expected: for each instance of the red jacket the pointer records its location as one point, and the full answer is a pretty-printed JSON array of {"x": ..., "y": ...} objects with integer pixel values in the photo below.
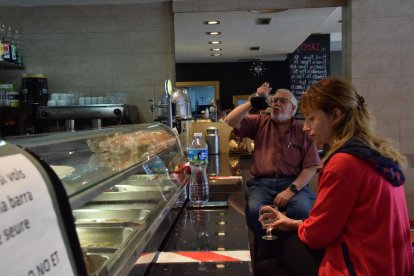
[{"x": 361, "y": 220}]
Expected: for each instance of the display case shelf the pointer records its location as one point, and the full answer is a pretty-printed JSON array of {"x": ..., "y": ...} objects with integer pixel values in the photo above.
[{"x": 121, "y": 184}]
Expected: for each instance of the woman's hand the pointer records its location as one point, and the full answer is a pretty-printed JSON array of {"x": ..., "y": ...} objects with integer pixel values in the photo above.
[{"x": 286, "y": 224}]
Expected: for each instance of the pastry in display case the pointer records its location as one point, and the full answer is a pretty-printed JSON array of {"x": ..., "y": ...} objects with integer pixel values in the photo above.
[{"x": 124, "y": 187}]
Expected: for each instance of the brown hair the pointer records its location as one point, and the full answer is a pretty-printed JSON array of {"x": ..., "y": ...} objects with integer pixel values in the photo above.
[{"x": 357, "y": 122}]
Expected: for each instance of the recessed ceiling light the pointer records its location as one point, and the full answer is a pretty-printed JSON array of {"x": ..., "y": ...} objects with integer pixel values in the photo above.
[
  {"x": 268, "y": 11},
  {"x": 263, "y": 21},
  {"x": 213, "y": 33},
  {"x": 215, "y": 42},
  {"x": 215, "y": 49},
  {"x": 212, "y": 22},
  {"x": 215, "y": 55}
]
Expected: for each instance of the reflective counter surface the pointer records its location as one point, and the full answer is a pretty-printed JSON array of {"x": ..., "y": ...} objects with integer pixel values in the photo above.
[{"x": 211, "y": 240}]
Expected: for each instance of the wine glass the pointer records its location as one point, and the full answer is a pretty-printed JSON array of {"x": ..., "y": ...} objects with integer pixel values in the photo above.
[{"x": 268, "y": 220}]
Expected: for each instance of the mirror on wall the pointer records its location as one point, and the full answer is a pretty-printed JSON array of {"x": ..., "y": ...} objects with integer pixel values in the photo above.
[{"x": 201, "y": 94}]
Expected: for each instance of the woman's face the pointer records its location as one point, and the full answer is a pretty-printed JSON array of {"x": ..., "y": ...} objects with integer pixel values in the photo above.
[{"x": 319, "y": 126}]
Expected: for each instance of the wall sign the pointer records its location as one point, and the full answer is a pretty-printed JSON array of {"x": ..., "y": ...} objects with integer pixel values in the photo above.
[
  {"x": 30, "y": 239},
  {"x": 309, "y": 63}
]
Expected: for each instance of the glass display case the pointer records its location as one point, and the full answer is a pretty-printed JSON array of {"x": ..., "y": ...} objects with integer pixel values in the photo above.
[{"x": 124, "y": 185}]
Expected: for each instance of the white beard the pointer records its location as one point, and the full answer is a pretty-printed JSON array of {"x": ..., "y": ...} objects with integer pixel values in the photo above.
[{"x": 280, "y": 118}]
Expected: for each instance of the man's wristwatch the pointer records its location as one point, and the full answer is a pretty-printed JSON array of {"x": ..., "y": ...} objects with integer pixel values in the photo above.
[{"x": 293, "y": 188}]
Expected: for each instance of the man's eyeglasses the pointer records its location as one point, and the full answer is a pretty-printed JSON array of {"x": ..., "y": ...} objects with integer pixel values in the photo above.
[{"x": 281, "y": 100}]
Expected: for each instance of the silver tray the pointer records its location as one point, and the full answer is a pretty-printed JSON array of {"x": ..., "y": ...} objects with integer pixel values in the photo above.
[
  {"x": 128, "y": 196},
  {"x": 148, "y": 180},
  {"x": 141, "y": 188},
  {"x": 119, "y": 206},
  {"x": 103, "y": 236},
  {"x": 138, "y": 216},
  {"x": 95, "y": 262}
]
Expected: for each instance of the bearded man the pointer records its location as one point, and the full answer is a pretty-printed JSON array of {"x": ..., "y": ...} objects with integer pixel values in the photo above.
[{"x": 283, "y": 161}]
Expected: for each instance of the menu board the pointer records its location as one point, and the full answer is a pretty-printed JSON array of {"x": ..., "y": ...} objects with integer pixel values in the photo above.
[
  {"x": 309, "y": 63},
  {"x": 30, "y": 239}
]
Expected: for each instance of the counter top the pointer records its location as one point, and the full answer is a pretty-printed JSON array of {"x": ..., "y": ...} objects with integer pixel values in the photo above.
[{"x": 211, "y": 240}]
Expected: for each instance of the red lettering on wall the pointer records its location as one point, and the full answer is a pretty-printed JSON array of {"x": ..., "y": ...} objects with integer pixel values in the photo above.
[{"x": 311, "y": 47}]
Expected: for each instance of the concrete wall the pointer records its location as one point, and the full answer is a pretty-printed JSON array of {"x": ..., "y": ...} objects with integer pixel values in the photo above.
[
  {"x": 97, "y": 49},
  {"x": 382, "y": 69}
]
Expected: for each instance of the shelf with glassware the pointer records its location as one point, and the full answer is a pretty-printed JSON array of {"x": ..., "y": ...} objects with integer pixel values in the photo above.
[{"x": 124, "y": 186}]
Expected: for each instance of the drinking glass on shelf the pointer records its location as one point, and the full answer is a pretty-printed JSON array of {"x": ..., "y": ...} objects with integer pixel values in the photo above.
[{"x": 268, "y": 218}]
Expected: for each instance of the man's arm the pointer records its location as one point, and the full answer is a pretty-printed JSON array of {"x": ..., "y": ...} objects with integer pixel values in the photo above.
[
  {"x": 303, "y": 178},
  {"x": 234, "y": 118}
]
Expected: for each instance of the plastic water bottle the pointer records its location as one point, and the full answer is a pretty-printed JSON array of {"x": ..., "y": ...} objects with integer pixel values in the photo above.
[{"x": 197, "y": 154}]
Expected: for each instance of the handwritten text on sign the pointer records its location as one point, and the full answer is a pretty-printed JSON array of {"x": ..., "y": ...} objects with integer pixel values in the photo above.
[{"x": 30, "y": 239}]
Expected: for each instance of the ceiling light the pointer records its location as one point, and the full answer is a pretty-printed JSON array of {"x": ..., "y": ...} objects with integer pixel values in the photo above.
[
  {"x": 215, "y": 55},
  {"x": 215, "y": 49},
  {"x": 268, "y": 11},
  {"x": 263, "y": 21},
  {"x": 212, "y": 22},
  {"x": 213, "y": 33},
  {"x": 215, "y": 42}
]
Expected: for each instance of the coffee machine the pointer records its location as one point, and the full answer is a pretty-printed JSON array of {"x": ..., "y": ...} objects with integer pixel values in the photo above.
[
  {"x": 174, "y": 110},
  {"x": 72, "y": 117}
]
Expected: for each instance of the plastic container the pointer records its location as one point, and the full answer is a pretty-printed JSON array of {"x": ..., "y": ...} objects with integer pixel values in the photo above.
[
  {"x": 13, "y": 99},
  {"x": 5, "y": 89},
  {"x": 197, "y": 153}
]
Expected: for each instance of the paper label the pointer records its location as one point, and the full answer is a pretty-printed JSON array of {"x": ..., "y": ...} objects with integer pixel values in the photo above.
[
  {"x": 197, "y": 155},
  {"x": 30, "y": 239}
]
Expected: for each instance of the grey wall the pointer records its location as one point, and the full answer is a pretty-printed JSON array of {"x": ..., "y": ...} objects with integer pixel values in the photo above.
[
  {"x": 97, "y": 49},
  {"x": 382, "y": 69}
]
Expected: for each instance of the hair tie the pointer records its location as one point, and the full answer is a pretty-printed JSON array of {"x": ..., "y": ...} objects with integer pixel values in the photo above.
[{"x": 360, "y": 100}]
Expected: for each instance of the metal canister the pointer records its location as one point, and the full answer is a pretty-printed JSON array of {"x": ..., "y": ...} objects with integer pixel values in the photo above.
[
  {"x": 34, "y": 89},
  {"x": 213, "y": 140},
  {"x": 213, "y": 164}
]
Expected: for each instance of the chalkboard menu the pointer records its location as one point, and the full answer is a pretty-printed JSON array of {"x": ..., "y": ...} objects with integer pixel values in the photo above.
[{"x": 309, "y": 63}]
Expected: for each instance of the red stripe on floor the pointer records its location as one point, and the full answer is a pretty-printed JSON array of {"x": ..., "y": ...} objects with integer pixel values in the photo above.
[{"x": 206, "y": 256}]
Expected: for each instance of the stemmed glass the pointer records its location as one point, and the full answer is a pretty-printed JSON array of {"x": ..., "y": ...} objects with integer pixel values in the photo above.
[{"x": 267, "y": 220}]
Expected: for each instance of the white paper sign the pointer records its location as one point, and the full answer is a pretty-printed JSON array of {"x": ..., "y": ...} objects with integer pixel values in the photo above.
[{"x": 31, "y": 243}]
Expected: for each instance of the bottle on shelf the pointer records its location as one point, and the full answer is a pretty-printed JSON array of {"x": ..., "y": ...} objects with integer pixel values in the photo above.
[
  {"x": 12, "y": 45},
  {"x": 197, "y": 153},
  {"x": 19, "y": 49},
  {"x": 1, "y": 43},
  {"x": 6, "y": 43}
]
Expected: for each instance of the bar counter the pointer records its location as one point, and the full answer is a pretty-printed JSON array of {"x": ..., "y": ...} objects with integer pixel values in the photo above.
[{"x": 210, "y": 240}]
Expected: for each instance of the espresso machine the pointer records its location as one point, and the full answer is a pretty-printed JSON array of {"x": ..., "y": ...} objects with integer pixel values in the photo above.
[
  {"x": 174, "y": 110},
  {"x": 69, "y": 118}
]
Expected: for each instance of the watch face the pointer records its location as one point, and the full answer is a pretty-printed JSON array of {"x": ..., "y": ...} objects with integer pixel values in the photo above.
[{"x": 293, "y": 188}]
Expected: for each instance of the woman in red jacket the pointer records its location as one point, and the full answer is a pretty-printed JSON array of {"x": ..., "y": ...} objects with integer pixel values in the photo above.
[{"x": 360, "y": 216}]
